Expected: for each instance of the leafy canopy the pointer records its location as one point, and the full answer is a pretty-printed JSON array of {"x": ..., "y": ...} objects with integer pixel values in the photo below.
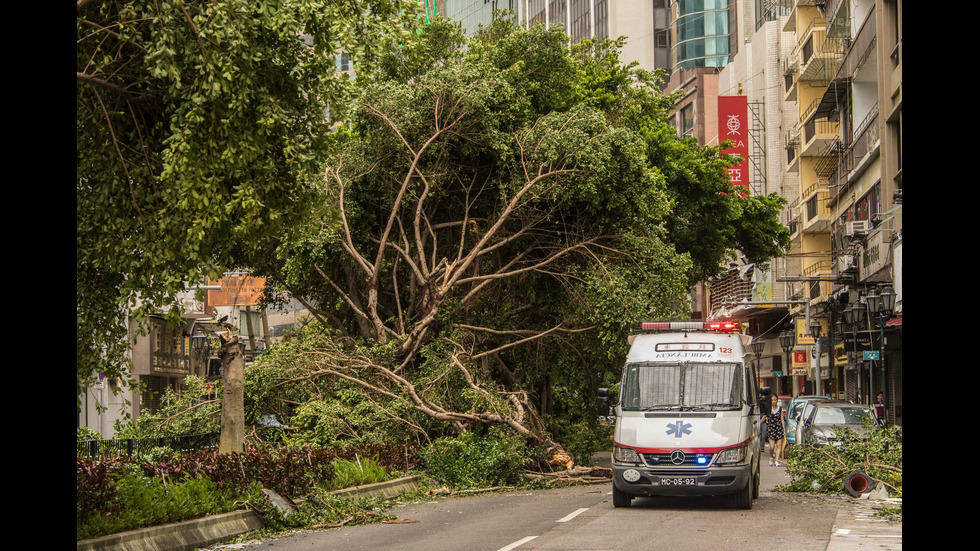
[
  {"x": 486, "y": 232},
  {"x": 198, "y": 127}
]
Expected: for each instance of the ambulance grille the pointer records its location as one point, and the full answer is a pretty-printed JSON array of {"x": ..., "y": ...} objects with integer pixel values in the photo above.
[{"x": 690, "y": 460}]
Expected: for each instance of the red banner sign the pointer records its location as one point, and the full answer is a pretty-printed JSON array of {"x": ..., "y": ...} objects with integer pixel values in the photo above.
[{"x": 733, "y": 124}]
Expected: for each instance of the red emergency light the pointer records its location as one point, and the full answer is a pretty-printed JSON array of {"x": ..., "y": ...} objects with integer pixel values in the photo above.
[{"x": 724, "y": 326}]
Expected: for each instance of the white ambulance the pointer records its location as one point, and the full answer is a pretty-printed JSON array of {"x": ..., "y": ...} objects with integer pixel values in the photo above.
[{"x": 689, "y": 414}]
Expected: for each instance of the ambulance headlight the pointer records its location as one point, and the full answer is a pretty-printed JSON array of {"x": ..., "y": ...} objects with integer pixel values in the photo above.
[
  {"x": 731, "y": 456},
  {"x": 625, "y": 455}
]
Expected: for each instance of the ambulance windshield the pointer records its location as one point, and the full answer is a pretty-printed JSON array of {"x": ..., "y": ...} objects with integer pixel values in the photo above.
[{"x": 687, "y": 386}]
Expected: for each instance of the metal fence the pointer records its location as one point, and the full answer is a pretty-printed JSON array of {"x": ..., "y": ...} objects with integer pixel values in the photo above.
[{"x": 140, "y": 446}]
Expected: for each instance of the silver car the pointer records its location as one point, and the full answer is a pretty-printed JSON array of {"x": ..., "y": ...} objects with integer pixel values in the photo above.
[
  {"x": 819, "y": 425},
  {"x": 793, "y": 413}
]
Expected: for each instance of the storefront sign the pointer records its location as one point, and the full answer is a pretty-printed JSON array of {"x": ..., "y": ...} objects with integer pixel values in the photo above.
[
  {"x": 733, "y": 125},
  {"x": 237, "y": 291},
  {"x": 803, "y": 336}
]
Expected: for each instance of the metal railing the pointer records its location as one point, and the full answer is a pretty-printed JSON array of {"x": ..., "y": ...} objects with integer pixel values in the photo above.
[{"x": 140, "y": 446}]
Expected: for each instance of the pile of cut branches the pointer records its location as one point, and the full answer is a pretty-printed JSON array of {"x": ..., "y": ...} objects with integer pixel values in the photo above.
[{"x": 824, "y": 468}]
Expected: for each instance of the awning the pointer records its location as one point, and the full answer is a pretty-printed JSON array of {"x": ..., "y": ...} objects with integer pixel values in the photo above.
[
  {"x": 832, "y": 98},
  {"x": 894, "y": 322}
]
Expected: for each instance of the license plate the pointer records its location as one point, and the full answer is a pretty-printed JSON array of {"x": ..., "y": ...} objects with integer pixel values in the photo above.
[{"x": 686, "y": 481}]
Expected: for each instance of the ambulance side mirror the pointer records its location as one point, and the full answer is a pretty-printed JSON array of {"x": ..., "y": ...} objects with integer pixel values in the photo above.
[
  {"x": 603, "y": 402},
  {"x": 765, "y": 400}
]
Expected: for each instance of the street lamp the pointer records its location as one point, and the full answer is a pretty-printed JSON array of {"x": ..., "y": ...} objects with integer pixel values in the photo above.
[
  {"x": 815, "y": 332},
  {"x": 881, "y": 306},
  {"x": 786, "y": 341},
  {"x": 200, "y": 344},
  {"x": 854, "y": 317},
  {"x": 758, "y": 345}
]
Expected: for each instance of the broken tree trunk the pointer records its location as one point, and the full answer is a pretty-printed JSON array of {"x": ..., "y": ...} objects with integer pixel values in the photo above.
[
  {"x": 233, "y": 398},
  {"x": 577, "y": 475}
]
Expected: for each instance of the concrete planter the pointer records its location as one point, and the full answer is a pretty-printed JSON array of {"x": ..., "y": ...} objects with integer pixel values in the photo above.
[{"x": 192, "y": 534}]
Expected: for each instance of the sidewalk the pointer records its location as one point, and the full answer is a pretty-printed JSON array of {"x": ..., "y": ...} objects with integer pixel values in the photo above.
[{"x": 858, "y": 527}]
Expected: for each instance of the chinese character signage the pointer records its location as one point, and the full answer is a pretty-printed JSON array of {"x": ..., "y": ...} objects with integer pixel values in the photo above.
[
  {"x": 733, "y": 125},
  {"x": 237, "y": 291}
]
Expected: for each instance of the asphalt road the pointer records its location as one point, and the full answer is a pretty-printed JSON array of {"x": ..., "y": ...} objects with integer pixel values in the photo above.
[{"x": 583, "y": 518}]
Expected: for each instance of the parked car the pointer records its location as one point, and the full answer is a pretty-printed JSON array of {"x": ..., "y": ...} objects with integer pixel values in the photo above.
[
  {"x": 793, "y": 412},
  {"x": 824, "y": 418}
]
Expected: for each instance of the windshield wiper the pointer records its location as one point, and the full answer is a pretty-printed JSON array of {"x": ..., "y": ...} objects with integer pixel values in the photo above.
[{"x": 723, "y": 405}]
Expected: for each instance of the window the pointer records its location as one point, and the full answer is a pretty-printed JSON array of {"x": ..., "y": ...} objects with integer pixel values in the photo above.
[
  {"x": 648, "y": 386},
  {"x": 686, "y": 129}
]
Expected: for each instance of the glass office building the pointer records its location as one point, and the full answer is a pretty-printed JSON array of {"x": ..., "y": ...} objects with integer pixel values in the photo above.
[{"x": 700, "y": 33}]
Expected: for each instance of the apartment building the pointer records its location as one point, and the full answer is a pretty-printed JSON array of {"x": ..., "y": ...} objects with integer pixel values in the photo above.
[
  {"x": 833, "y": 68},
  {"x": 759, "y": 297}
]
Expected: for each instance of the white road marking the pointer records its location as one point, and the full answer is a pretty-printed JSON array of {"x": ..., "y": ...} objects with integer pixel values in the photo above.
[
  {"x": 517, "y": 543},
  {"x": 572, "y": 515}
]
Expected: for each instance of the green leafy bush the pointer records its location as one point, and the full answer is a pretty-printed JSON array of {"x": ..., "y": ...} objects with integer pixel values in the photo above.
[
  {"x": 117, "y": 493},
  {"x": 473, "y": 461},
  {"x": 139, "y": 501},
  {"x": 357, "y": 472},
  {"x": 824, "y": 468}
]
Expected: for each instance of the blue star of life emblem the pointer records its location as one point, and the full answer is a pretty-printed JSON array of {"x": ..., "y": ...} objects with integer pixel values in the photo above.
[{"x": 679, "y": 429}]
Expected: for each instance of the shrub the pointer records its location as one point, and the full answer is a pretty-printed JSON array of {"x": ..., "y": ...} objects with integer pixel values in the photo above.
[
  {"x": 141, "y": 501},
  {"x": 95, "y": 490},
  {"x": 356, "y": 472},
  {"x": 122, "y": 493},
  {"x": 472, "y": 461},
  {"x": 290, "y": 471}
]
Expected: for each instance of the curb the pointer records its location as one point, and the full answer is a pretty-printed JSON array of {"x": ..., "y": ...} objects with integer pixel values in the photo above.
[
  {"x": 193, "y": 534},
  {"x": 390, "y": 488},
  {"x": 179, "y": 536}
]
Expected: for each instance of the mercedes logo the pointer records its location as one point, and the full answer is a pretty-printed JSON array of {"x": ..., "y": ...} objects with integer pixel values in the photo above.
[{"x": 677, "y": 457}]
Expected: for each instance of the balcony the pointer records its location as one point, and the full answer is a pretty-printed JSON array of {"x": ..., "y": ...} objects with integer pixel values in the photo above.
[
  {"x": 854, "y": 154},
  {"x": 817, "y": 55},
  {"x": 816, "y": 135},
  {"x": 790, "y": 67},
  {"x": 819, "y": 291},
  {"x": 814, "y": 209},
  {"x": 792, "y": 142}
]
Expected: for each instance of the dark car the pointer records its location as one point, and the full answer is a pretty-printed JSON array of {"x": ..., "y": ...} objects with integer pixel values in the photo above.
[{"x": 825, "y": 418}]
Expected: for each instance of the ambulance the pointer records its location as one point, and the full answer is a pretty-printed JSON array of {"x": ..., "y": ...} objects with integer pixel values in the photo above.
[{"x": 688, "y": 414}]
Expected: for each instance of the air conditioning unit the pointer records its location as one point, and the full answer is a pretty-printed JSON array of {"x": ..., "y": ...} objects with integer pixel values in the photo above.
[
  {"x": 846, "y": 264},
  {"x": 857, "y": 228}
]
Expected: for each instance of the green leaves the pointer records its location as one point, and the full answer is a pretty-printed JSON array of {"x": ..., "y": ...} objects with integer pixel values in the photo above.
[{"x": 198, "y": 125}]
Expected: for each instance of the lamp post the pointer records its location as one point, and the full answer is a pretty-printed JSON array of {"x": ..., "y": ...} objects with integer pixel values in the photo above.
[
  {"x": 200, "y": 344},
  {"x": 815, "y": 332},
  {"x": 881, "y": 306},
  {"x": 758, "y": 346},
  {"x": 786, "y": 342}
]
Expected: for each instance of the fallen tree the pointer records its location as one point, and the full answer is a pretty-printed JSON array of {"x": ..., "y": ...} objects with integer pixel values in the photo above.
[{"x": 487, "y": 232}]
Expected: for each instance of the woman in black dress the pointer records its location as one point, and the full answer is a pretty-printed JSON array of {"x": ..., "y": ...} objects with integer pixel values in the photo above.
[{"x": 776, "y": 431}]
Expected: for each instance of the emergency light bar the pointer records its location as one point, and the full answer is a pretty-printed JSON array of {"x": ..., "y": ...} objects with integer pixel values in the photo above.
[{"x": 724, "y": 326}]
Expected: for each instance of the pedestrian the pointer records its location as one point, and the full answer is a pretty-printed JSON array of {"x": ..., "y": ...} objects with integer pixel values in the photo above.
[
  {"x": 775, "y": 432},
  {"x": 880, "y": 412}
]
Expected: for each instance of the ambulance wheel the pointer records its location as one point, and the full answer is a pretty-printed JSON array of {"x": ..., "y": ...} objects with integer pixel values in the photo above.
[
  {"x": 621, "y": 499},
  {"x": 757, "y": 485},
  {"x": 743, "y": 499}
]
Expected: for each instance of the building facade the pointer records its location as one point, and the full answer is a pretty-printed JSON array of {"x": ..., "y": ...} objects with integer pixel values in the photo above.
[{"x": 835, "y": 155}]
